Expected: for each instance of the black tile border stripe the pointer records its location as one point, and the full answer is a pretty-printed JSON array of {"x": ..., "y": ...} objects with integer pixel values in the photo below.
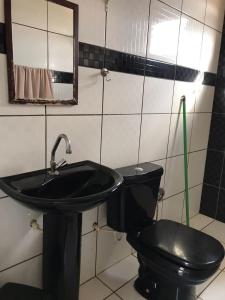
[
  {"x": 93, "y": 57},
  {"x": 97, "y": 57}
]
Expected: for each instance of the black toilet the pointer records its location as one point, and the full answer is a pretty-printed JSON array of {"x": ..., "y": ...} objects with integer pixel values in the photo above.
[{"x": 173, "y": 257}]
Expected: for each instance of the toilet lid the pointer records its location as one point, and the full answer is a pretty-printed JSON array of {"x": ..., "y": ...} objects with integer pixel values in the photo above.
[{"x": 184, "y": 245}]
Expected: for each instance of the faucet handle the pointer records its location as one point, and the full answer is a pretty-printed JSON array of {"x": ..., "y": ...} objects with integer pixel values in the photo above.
[{"x": 61, "y": 163}]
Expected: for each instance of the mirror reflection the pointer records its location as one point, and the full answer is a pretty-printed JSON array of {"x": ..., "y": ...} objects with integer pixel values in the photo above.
[{"x": 44, "y": 51}]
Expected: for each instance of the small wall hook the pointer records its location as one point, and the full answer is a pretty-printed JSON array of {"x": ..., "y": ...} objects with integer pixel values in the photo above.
[{"x": 105, "y": 73}]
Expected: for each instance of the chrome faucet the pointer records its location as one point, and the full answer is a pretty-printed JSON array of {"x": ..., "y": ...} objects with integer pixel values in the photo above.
[{"x": 53, "y": 164}]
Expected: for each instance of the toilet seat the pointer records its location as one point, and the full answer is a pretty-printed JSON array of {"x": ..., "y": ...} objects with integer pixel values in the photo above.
[
  {"x": 182, "y": 245},
  {"x": 177, "y": 253}
]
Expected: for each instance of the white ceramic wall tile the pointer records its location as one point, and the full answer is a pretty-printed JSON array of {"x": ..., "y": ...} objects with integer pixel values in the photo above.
[
  {"x": 21, "y": 241},
  {"x": 173, "y": 207},
  {"x": 163, "y": 32},
  {"x": 128, "y": 26},
  {"x": 120, "y": 273},
  {"x": 175, "y": 3},
  {"x": 154, "y": 147},
  {"x": 217, "y": 230},
  {"x": 91, "y": 21},
  {"x": 89, "y": 218},
  {"x": 111, "y": 249},
  {"x": 123, "y": 94},
  {"x": 84, "y": 133},
  {"x": 158, "y": 95},
  {"x": 30, "y": 12},
  {"x": 89, "y": 95},
  {"x": 95, "y": 290},
  {"x": 120, "y": 140},
  {"x": 204, "y": 99},
  {"x": 195, "y": 200},
  {"x": 176, "y": 142},
  {"x": 196, "y": 167},
  {"x": 210, "y": 50},
  {"x": 60, "y": 47},
  {"x": 128, "y": 292},
  {"x": 9, "y": 109},
  {"x": 161, "y": 163},
  {"x": 102, "y": 219},
  {"x": 21, "y": 152},
  {"x": 190, "y": 42},
  {"x": 215, "y": 14},
  {"x": 195, "y": 9},
  {"x": 64, "y": 23},
  {"x": 28, "y": 273},
  {"x": 200, "y": 132},
  {"x": 2, "y": 17},
  {"x": 187, "y": 89},
  {"x": 174, "y": 170},
  {"x": 35, "y": 53},
  {"x": 216, "y": 290},
  {"x": 88, "y": 254}
]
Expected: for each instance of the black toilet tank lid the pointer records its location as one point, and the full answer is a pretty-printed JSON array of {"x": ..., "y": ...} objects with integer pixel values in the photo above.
[{"x": 144, "y": 169}]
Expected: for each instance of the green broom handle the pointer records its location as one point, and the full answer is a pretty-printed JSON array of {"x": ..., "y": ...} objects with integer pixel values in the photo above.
[{"x": 183, "y": 100}]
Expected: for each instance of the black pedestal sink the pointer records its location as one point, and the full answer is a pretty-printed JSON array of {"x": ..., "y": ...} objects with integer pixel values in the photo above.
[{"x": 78, "y": 187}]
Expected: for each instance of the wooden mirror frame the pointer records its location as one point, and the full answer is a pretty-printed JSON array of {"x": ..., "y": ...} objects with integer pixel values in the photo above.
[{"x": 9, "y": 52}]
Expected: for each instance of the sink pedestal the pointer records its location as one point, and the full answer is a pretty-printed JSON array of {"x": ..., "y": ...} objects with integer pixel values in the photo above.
[{"x": 62, "y": 255}]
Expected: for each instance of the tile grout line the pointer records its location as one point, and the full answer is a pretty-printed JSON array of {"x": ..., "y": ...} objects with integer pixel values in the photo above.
[
  {"x": 144, "y": 80},
  {"x": 22, "y": 262},
  {"x": 102, "y": 122},
  {"x": 171, "y": 109}
]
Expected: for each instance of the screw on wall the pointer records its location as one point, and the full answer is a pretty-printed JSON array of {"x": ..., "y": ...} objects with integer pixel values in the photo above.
[{"x": 34, "y": 225}]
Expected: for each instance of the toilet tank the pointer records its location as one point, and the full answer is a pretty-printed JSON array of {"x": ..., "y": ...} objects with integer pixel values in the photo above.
[{"x": 132, "y": 207}]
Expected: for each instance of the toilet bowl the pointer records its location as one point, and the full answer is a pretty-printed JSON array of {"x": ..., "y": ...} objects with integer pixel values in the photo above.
[{"x": 173, "y": 258}]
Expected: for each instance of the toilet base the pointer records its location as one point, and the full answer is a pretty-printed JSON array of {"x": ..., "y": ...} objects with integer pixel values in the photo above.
[
  {"x": 151, "y": 290},
  {"x": 151, "y": 286}
]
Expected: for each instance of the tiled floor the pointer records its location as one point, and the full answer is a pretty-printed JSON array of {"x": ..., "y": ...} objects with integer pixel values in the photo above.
[{"x": 116, "y": 283}]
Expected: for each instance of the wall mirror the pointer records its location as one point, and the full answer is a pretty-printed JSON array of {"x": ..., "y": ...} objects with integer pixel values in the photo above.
[{"x": 42, "y": 51}]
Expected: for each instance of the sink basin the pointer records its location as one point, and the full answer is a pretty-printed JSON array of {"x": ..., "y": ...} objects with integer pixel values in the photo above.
[{"x": 78, "y": 187}]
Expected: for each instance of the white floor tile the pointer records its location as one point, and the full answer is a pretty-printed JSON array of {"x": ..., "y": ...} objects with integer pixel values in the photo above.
[
  {"x": 217, "y": 230},
  {"x": 222, "y": 266},
  {"x": 216, "y": 290},
  {"x": 202, "y": 287},
  {"x": 113, "y": 297},
  {"x": 200, "y": 221},
  {"x": 119, "y": 274},
  {"x": 128, "y": 292},
  {"x": 94, "y": 290}
]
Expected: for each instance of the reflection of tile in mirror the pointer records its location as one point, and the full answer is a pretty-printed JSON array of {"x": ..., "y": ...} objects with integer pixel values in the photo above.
[
  {"x": 60, "y": 52},
  {"x": 62, "y": 91},
  {"x": 30, "y": 12},
  {"x": 29, "y": 46},
  {"x": 60, "y": 19}
]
